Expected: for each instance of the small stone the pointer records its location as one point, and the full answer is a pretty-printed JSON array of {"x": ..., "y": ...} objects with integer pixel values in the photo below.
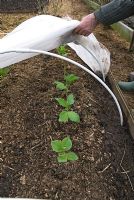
[
  {"x": 46, "y": 195},
  {"x": 103, "y": 131},
  {"x": 92, "y": 159},
  {"x": 23, "y": 180}
]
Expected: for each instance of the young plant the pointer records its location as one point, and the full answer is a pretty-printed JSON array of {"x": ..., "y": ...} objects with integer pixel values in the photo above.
[
  {"x": 3, "y": 72},
  {"x": 63, "y": 147},
  {"x": 67, "y": 114},
  {"x": 62, "y": 50},
  {"x": 69, "y": 79}
]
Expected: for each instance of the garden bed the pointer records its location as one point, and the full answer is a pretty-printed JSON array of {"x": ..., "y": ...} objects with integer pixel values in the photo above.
[
  {"x": 29, "y": 167},
  {"x": 11, "y": 6}
]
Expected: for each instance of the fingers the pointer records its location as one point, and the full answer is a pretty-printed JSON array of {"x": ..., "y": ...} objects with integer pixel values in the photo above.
[
  {"x": 77, "y": 30},
  {"x": 81, "y": 31},
  {"x": 85, "y": 33},
  {"x": 87, "y": 25}
]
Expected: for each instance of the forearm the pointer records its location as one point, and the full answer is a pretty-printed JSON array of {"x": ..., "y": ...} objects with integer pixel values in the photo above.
[{"x": 115, "y": 11}]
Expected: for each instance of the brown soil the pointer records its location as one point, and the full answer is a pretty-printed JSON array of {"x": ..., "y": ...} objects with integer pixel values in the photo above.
[
  {"x": 20, "y": 6},
  {"x": 29, "y": 120}
]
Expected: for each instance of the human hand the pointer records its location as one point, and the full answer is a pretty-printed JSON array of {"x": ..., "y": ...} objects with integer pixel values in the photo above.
[{"x": 87, "y": 25}]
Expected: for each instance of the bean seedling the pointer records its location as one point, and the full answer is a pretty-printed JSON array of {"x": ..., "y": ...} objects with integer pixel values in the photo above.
[
  {"x": 67, "y": 114},
  {"x": 3, "y": 72},
  {"x": 69, "y": 79},
  {"x": 62, "y": 50},
  {"x": 63, "y": 147}
]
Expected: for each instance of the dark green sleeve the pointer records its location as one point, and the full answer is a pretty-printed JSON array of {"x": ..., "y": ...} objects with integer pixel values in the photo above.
[{"x": 115, "y": 11}]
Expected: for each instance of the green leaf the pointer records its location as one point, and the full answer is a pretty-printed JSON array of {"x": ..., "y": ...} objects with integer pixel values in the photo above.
[
  {"x": 66, "y": 144},
  {"x": 62, "y": 158},
  {"x": 70, "y": 99},
  {"x": 57, "y": 146},
  {"x": 60, "y": 85},
  {"x": 62, "y": 102},
  {"x": 4, "y": 72},
  {"x": 72, "y": 156},
  {"x": 71, "y": 78},
  {"x": 63, "y": 116},
  {"x": 62, "y": 50},
  {"x": 73, "y": 116}
]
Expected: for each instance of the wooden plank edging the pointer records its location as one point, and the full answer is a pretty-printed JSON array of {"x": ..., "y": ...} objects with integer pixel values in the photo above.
[
  {"x": 128, "y": 113},
  {"x": 125, "y": 31}
]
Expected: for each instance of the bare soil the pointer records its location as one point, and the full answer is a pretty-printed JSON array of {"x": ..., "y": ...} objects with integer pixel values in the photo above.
[
  {"x": 10, "y": 6},
  {"x": 29, "y": 120}
]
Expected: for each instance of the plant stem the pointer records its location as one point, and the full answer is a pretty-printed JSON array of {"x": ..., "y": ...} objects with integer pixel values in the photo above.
[{"x": 65, "y": 72}]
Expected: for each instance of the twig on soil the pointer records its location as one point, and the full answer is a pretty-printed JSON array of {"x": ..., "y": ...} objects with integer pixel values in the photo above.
[
  {"x": 109, "y": 133},
  {"x": 37, "y": 145},
  {"x": 94, "y": 101},
  {"x": 50, "y": 138},
  {"x": 105, "y": 168},
  {"x": 124, "y": 171},
  {"x": 56, "y": 196},
  {"x": 91, "y": 135},
  {"x": 8, "y": 167}
]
